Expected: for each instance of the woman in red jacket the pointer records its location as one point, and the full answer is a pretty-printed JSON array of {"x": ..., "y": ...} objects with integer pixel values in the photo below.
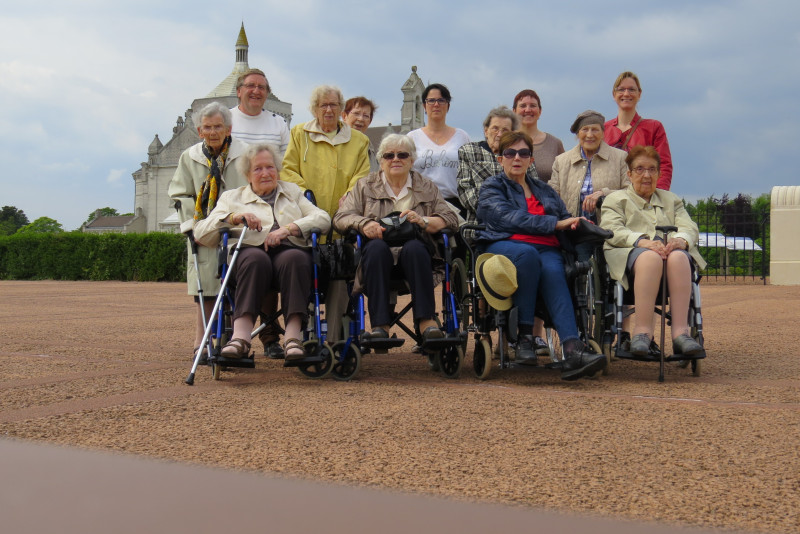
[{"x": 629, "y": 129}]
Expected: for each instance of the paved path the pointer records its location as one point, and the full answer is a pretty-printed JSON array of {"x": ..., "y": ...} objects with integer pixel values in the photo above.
[{"x": 101, "y": 366}]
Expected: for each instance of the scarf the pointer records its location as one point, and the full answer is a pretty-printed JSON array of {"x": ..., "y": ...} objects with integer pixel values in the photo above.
[{"x": 209, "y": 191}]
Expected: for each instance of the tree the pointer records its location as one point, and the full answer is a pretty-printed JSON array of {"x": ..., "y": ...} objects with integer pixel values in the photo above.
[
  {"x": 42, "y": 225},
  {"x": 11, "y": 220},
  {"x": 101, "y": 212}
]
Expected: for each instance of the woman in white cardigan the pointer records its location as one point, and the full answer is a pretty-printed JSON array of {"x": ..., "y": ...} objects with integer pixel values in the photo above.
[{"x": 275, "y": 253}]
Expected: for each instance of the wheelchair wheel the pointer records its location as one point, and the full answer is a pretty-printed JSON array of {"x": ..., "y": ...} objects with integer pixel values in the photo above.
[
  {"x": 482, "y": 359},
  {"x": 349, "y": 365},
  {"x": 458, "y": 285},
  {"x": 321, "y": 368},
  {"x": 449, "y": 360}
]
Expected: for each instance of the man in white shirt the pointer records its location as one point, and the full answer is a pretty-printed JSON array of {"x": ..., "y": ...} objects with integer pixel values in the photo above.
[{"x": 251, "y": 123}]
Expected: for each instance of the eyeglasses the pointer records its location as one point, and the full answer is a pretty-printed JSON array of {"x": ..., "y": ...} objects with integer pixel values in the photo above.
[
  {"x": 497, "y": 129},
  {"x": 623, "y": 90},
  {"x": 333, "y": 105},
  {"x": 363, "y": 116},
  {"x": 510, "y": 153},
  {"x": 400, "y": 155},
  {"x": 251, "y": 86},
  {"x": 641, "y": 171},
  {"x": 432, "y": 101},
  {"x": 215, "y": 128}
]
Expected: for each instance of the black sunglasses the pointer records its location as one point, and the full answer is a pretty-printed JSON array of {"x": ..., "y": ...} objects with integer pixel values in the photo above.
[
  {"x": 400, "y": 155},
  {"x": 510, "y": 153}
]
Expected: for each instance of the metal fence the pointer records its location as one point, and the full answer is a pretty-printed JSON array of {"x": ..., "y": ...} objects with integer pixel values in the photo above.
[{"x": 735, "y": 245}]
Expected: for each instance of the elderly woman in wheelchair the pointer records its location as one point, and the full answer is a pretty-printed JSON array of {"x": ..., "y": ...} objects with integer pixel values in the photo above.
[
  {"x": 638, "y": 255},
  {"x": 275, "y": 254},
  {"x": 522, "y": 217},
  {"x": 397, "y": 210}
]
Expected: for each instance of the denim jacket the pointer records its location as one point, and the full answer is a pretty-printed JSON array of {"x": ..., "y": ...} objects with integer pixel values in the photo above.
[{"x": 502, "y": 208}]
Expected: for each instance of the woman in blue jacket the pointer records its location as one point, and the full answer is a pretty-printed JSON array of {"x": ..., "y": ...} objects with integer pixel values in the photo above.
[{"x": 522, "y": 216}]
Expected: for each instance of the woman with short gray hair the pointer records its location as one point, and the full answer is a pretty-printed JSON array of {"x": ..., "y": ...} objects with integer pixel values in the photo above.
[
  {"x": 397, "y": 188},
  {"x": 204, "y": 171}
]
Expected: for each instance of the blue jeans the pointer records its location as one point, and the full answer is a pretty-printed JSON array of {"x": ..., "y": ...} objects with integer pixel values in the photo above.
[{"x": 540, "y": 268}]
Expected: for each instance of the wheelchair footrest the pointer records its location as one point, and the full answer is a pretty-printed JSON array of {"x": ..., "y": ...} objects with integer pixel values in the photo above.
[
  {"x": 313, "y": 358},
  {"x": 625, "y": 355},
  {"x": 685, "y": 357},
  {"x": 382, "y": 343},
  {"x": 441, "y": 343},
  {"x": 246, "y": 363}
]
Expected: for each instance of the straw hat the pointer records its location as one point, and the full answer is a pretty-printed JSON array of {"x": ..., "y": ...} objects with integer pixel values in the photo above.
[{"x": 497, "y": 278}]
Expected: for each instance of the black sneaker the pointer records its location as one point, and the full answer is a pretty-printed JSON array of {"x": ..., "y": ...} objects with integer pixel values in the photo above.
[
  {"x": 526, "y": 351},
  {"x": 274, "y": 351},
  {"x": 580, "y": 360}
]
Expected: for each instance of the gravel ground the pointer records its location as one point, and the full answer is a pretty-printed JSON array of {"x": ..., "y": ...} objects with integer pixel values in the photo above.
[{"x": 101, "y": 366}]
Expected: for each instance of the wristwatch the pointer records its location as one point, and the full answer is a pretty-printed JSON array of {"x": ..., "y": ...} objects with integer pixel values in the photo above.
[{"x": 425, "y": 221}]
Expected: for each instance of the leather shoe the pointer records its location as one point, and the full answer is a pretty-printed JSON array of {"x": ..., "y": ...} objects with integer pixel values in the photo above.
[
  {"x": 431, "y": 333},
  {"x": 580, "y": 360},
  {"x": 526, "y": 351},
  {"x": 376, "y": 333},
  {"x": 640, "y": 344},
  {"x": 684, "y": 344}
]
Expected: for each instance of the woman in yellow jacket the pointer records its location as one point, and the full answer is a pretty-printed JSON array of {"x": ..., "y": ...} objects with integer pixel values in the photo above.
[
  {"x": 328, "y": 157},
  {"x": 325, "y": 154}
]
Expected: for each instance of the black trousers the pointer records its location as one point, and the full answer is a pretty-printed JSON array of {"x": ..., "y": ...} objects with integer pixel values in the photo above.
[
  {"x": 414, "y": 265},
  {"x": 258, "y": 272}
]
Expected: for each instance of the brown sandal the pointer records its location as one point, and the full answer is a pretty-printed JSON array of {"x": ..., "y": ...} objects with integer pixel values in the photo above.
[
  {"x": 291, "y": 347},
  {"x": 236, "y": 348}
]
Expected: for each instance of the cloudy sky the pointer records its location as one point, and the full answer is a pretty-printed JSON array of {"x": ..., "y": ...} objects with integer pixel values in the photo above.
[{"x": 85, "y": 85}]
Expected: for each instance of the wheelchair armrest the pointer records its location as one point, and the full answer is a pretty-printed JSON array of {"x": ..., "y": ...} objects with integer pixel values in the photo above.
[{"x": 464, "y": 227}]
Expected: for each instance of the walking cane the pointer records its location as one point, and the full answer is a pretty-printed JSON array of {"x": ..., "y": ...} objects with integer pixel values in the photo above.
[
  {"x": 207, "y": 333},
  {"x": 665, "y": 230},
  {"x": 193, "y": 244}
]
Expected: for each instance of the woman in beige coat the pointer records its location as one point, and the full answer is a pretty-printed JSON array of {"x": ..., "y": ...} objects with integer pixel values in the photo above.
[
  {"x": 204, "y": 171},
  {"x": 275, "y": 253},
  {"x": 396, "y": 188},
  {"x": 637, "y": 251},
  {"x": 590, "y": 170}
]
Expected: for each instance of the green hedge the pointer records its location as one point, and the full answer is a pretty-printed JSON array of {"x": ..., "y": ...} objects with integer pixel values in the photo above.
[{"x": 154, "y": 257}]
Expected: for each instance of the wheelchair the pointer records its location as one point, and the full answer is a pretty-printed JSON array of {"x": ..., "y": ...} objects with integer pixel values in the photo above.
[
  {"x": 480, "y": 320},
  {"x": 318, "y": 360},
  {"x": 444, "y": 355},
  {"x": 621, "y": 304}
]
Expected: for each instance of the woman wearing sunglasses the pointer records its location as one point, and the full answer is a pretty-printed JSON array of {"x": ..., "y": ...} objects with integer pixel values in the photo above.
[
  {"x": 396, "y": 188},
  {"x": 628, "y": 129},
  {"x": 522, "y": 216},
  {"x": 589, "y": 171},
  {"x": 438, "y": 143}
]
